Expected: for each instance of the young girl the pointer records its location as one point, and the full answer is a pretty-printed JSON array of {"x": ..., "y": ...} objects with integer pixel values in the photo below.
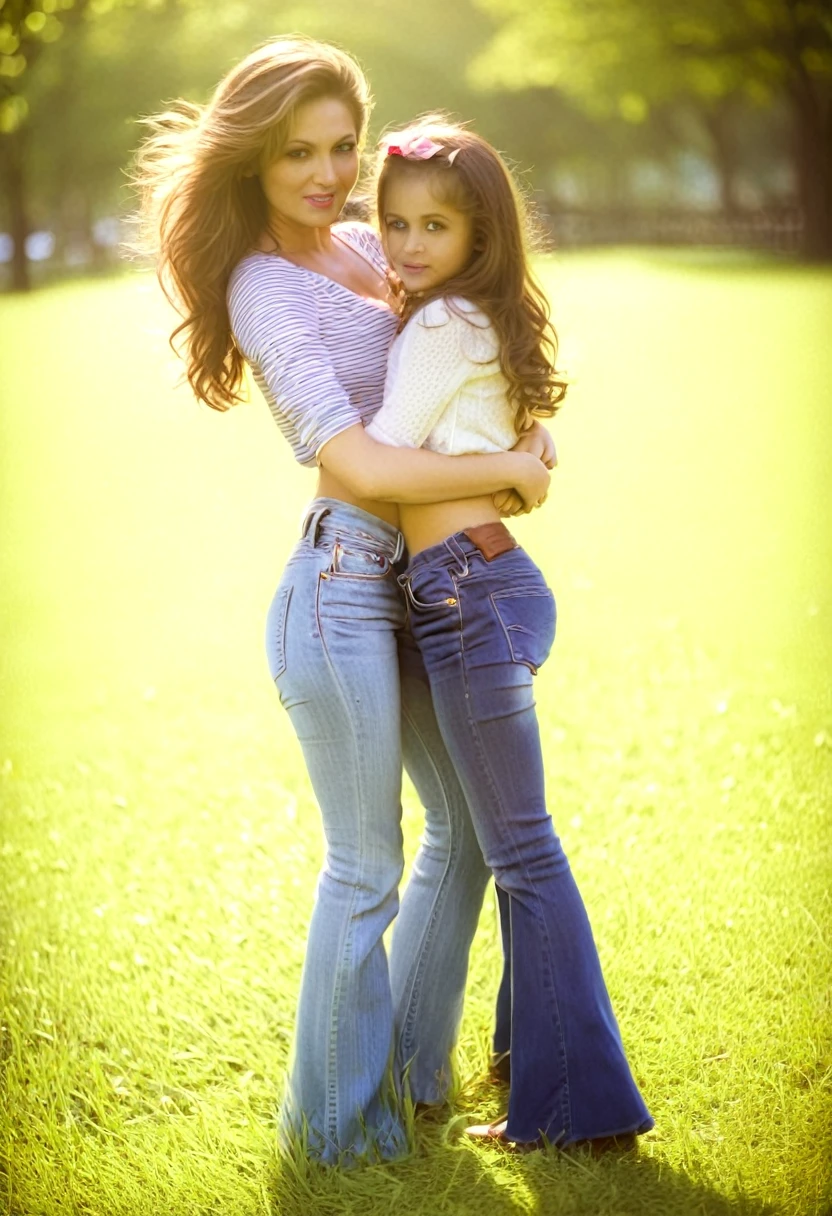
[{"x": 472, "y": 365}]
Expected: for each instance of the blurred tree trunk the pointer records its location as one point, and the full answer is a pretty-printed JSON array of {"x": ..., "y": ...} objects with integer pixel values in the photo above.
[
  {"x": 811, "y": 98},
  {"x": 719, "y": 121},
  {"x": 813, "y": 165},
  {"x": 13, "y": 160}
]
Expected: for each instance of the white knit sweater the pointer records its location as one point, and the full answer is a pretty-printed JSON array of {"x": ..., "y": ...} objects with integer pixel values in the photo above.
[{"x": 444, "y": 388}]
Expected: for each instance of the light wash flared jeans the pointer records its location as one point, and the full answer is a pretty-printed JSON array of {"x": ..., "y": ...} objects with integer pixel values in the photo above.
[{"x": 358, "y": 697}]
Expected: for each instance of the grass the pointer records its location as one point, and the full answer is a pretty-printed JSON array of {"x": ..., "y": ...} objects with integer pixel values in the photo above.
[{"x": 159, "y": 844}]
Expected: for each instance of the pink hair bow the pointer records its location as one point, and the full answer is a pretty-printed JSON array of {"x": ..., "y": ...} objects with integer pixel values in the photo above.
[{"x": 417, "y": 147}]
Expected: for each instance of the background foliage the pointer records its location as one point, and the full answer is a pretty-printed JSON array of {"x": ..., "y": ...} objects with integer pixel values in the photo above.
[{"x": 605, "y": 102}]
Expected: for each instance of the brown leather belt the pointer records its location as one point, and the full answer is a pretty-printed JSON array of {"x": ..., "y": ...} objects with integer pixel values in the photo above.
[{"x": 491, "y": 539}]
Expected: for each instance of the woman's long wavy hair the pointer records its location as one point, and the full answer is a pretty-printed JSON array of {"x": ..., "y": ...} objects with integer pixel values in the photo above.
[
  {"x": 201, "y": 204},
  {"x": 469, "y": 175}
]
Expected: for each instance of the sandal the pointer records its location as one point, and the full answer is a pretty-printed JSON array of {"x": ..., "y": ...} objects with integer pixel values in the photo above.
[{"x": 495, "y": 1133}]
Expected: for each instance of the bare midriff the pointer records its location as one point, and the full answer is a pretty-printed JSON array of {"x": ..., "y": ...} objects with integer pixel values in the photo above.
[
  {"x": 430, "y": 523},
  {"x": 330, "y": 487},
  {"x": 423, "y": 525}
]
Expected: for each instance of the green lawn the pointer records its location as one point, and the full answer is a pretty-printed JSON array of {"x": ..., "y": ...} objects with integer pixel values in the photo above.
[{"x": 159, "y": 844}]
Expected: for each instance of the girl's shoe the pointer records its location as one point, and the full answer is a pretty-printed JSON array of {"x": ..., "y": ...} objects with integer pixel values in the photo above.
[{"x": 495, "y": 1133}]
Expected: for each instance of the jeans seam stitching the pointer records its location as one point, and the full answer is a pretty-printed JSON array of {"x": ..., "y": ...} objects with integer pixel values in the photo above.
[
  {"x": 332, "y": 1047},
  {"x": 486, "y": 767},
  {"x": 440, "y": 900}
]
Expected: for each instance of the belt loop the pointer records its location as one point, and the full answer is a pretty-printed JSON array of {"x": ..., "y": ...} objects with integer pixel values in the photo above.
[
  {"x": 455, "y": 549},
  {"x": 399, "y": 548},
  {"x": 316, "y": 527},
  {"x": 404, "y": 582},
  {"x": 313, "y": 521}
]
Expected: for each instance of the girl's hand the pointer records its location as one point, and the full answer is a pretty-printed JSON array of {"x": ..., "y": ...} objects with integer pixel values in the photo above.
[
  {"x": 396, "y": 294},
  {"x": 540, "y": 443}
]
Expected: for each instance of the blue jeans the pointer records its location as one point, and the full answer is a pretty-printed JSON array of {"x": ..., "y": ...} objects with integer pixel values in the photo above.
[
  {"x": 484, "y": 628},
  {"x": 358, "y": 697}
]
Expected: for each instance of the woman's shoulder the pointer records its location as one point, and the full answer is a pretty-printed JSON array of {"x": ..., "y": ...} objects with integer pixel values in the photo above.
[
  {"x": 261, "y": 267},
  {"x": 266, "y": 296},
  {"x": 263, "y": 283}
]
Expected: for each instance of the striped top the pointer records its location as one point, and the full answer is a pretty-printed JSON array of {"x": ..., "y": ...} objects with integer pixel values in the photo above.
[{"x": 318, "y": 350}]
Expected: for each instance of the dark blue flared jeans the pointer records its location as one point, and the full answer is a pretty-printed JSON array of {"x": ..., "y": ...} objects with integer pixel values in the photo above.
[{"x": 484, "y": 628}]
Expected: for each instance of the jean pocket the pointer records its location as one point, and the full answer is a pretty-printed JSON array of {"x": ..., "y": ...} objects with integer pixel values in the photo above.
[
  {"x": 426, "y": 595},
  {"x": 353, "y": 561},
  {"x": 528, "y": 617},
  {"x": 276, "y": 631}
]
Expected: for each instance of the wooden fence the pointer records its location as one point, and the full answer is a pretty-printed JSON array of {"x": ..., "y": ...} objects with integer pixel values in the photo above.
[{"x": 779, "y": 230}]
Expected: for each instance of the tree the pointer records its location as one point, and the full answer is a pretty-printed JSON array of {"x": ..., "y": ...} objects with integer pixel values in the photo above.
[
  {"x": 69, "y": 114},
  {"x": 72, "y": 73},
  {"x": 27, "y": 28},
  {"x": 634, "y": 57}
]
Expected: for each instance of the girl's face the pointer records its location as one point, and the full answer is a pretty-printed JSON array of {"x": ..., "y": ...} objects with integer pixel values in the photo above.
[
  {"x": 427, "y": 242},
  {"x": 310, "y": 180}
]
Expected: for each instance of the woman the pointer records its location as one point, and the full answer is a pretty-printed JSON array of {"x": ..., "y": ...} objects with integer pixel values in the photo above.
[{"x": 243, "y": 198}]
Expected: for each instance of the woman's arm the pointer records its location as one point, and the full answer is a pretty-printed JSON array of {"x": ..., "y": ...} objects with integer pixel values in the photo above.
[
  {"x": 416, "y": 475},
  {"x": 275, "y": 323},
  {"x": 434, "y": 358}
]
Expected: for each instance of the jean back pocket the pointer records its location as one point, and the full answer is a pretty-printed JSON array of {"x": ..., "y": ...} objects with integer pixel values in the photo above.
[{"x": 528, "y": 617}]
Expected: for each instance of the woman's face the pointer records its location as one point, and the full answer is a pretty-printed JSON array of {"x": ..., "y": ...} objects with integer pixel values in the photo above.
[{"x": 311, "y": 178}]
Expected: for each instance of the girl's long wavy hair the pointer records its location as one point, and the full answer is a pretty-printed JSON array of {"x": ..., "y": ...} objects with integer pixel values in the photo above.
[
  {"x": 201, "y": 204},
  {"x": 469, "y": 175}
]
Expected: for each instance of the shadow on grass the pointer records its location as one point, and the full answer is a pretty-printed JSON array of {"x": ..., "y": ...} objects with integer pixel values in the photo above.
[{"x": 458, "y": 1180}]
